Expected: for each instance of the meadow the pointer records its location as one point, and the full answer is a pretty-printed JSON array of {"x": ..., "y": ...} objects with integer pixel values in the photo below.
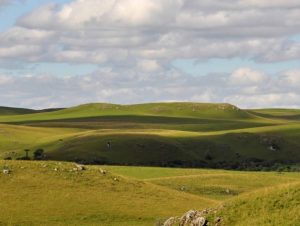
[
  {"x": 52, "y": 193},
  {"x": 160, "y": 134},
  {"x": 161, "y": 159}
]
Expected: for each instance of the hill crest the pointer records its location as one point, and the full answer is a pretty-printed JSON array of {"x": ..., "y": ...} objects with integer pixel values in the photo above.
[{"x": 173, "y": 109}]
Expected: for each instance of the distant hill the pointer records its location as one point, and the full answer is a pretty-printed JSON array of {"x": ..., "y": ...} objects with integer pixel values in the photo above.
[
  {"x": 178, "y": 109},
  {"x": 290, "y": 114},
  {"x": 15, "y": 111},
  {"x": 187, "y": 110},
  {"x": 162, "y": 134},
  {"x": 6, "y": 111}
]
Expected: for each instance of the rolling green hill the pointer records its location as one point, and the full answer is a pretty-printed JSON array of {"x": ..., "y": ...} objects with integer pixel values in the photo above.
[
  {"x": 270, "y": 206},
  {"x": 9, "y": 111},
  {"x": 52, "y": 193},
  {"x": 185, "y": 110},
  {"x": 57, "y": 194},
  {"x": 14, "y": 111},
  {"x": 160, "y": 134},
  {"x": 289, "y": 114}
]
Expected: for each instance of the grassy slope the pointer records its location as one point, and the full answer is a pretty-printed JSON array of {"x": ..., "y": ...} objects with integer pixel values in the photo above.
[
  {"x": 158, "y": 146},
  {"x": 14, "y": 139},
  {"x": 213, "y": 184},
  {"x": 271, "y": 206},
  {"x": 10, "y": 111},
  {"x": 14, "y": 111},
  {"x": 35, "y": 194},
  {"x": 289, "y": 114},
  {"x": 196, "y": 110},
  {"x": 159, "y": 134},
  {"x": 250, "y": 198},
  {"x": 146, "y": 134}
]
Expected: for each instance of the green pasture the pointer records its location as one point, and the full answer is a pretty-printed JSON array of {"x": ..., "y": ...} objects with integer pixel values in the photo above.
[{"x": 53, "y": 193}]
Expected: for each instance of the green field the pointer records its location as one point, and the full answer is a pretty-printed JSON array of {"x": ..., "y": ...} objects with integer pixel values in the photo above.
[
  {"x": 176, "y": 138},
  {"x": 158, "y": 134},
  {"x": 52, "y": 193}
]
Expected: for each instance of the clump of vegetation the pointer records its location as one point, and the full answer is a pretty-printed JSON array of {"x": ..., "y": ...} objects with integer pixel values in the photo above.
[
  {"x": 26, "y": 157},
  {"x": 38, "y": 154}
]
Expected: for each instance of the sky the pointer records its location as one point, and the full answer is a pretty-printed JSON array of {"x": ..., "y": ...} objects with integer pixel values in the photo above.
[{"x": 65, "y": 53}]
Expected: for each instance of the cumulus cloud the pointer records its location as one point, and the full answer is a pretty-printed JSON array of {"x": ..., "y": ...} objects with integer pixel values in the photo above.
[
  {"x": 137, "y": 41},
  {"x": 109, "y": 85},
  {"x": 128, "y": 31},
  {"x": 5, "y": 80},
  {"x": 246, "y": 77},
  {"x": 148, "y": 65},
  {"x": 291, "y": 78}
]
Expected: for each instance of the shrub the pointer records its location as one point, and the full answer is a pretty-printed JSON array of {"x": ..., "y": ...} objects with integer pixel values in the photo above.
[{"x": 38, "y": 154}]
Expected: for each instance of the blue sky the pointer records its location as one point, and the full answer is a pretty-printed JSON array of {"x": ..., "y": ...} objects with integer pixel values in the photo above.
[
  {"x": 16, "y": 9},
  {"x": 99, "y": 46},
  {"x": 221, "y": 66}
]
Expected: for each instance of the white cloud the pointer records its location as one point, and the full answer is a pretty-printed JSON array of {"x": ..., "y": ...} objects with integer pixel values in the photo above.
[
  {"x": 148, "y": 65},
  {"x": 125, "y": 86},
  {"x": 291, "y": 78},
  {"x": 246, "y": 77},
  {"x": 137, "y": 40},
  {"x": 20, "y": 50},
  {"x": 282, "y": 100},
  {"x": 124, "y": 31},
  {"x": 273, "y": 3},
  {"x": 4, "y": 80}
]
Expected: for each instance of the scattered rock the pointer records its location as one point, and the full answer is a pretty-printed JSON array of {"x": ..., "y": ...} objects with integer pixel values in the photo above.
[
  {"x": 188, "y": 217},
  {"x": 194, "y": 218},
  {"x": 199, "y": 221},
  {"x": 6, "y": 171},
  {"x": 116, "y": 179},
  {"x": 218, "y": 221},
  {"x": 103, "y": 171},
  {"x": 170, "y": 222},
  {"x": 274, "y": 147},
  {"x": 79, "y": 167}
]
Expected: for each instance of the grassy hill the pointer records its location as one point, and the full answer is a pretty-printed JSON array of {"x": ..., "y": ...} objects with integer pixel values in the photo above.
[
  {"x": 245, "y": 198},
  {"x": 289, "y": 114},
  {"x": 53, "y": 193},
  {"x": 185, "y": 110},
  {"x": 8, "y": 111},
  {"x": 270, "y": 206},
  {"x": 15, "y": 111},
  {"x": 161, "y": 134}
]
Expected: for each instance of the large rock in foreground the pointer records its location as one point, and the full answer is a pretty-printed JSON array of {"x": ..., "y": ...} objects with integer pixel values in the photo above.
[{"x": 193, "y": 218}]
